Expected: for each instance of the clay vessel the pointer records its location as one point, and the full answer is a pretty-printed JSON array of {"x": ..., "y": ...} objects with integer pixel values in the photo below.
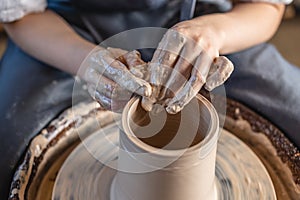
[{"x": 169, "y": 157}]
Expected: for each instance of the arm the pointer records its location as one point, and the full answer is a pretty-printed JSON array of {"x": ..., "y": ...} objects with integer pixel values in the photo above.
[
  {"x": 246, "y": 25},
  {"x": 47, "y": 37},
  {"x": 190, "y": 47},
  {"x": 257, "y": 23}
]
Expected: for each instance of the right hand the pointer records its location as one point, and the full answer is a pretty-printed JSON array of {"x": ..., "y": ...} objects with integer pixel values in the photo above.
[
  {"x": 186, "y": 59},
  {"x": 113, "y": 75}
]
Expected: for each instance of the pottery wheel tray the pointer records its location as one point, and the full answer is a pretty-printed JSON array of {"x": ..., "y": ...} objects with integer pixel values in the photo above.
[{"x": 251, "y": 163}]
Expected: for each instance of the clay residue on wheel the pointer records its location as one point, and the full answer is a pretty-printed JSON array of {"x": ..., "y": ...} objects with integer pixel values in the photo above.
[
  {"x": 46, "y": 146},
  {"x": 286, "y": 150}
]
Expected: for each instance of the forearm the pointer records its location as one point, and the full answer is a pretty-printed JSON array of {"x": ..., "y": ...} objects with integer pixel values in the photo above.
[
  {"x": 247, "y": 24},
  {"x": 47, "y": 37}
]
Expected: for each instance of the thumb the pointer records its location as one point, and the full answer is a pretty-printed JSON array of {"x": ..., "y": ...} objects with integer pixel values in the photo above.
[
  {"x": 136, "y": 65},
  {"x": 220, "y": 70}
]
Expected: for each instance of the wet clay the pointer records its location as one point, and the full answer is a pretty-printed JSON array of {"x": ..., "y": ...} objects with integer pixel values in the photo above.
[
  {"x": 170, "y": 157},
  {"x": 179, "y": 130}
]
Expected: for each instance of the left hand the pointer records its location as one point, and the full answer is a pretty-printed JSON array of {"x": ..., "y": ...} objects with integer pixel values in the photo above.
[
  {"x": 113, "y": 75},
  {"x": 182, "y": 64}
]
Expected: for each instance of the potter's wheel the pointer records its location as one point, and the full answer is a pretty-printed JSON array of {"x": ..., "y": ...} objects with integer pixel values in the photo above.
[
  {"x": 239, "y": 172},
  {"x": 51, "y": 149}
]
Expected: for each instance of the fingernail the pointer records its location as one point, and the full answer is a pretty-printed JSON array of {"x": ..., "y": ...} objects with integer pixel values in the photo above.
[
  {"x": 173, "y": 109},
  {"x": 147, "y": 90},
  {"x": 144, "y": 91}
]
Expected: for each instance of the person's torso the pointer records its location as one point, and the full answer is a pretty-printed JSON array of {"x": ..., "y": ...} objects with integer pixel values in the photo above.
[{"x": 104, "y": 18}]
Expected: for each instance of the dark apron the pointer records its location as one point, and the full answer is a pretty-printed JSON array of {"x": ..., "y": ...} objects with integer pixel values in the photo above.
[
  {"x": 33, "y": 93},
  {"x": 103, "y": 19}
]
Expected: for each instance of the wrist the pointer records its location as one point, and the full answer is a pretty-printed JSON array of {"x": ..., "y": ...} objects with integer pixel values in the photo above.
[{"x": 211, "y": 28}]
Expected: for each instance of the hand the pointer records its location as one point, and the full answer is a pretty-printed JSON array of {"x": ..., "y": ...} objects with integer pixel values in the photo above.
[
  {"x": 186, "y": 58},
  {"x": 113, "y": 75}
]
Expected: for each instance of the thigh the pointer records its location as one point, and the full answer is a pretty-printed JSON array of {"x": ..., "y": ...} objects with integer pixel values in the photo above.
[
  {"x": 32, "y": 94},
  {"x": 264, "y": 81}
]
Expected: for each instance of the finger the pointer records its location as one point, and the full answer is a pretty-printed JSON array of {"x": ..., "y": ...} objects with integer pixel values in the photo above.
[
  {"x": 182, "y": 69},
  {"x": 112, "y": 90},
  {"x": 108, "y": 88},
  {"x": 219, "y": 72},
  {"x": 101, "y": 83},
  {"x": 91, "y": 90},
  {"x": 133, "y": 58},
  {"x": 103, "y": 101},
  {"x": 147, "y": 103},
  {"x": 192, "y": 87},
  {"x": 161, "y": 66},
  {"x": 116, "y": 102},
  {"x": 136, "y": 65},
  {"x": 92, "y": 76},
  {"x": 118, "y": 72},
  {"x": 117, "y": 53},
  {"x": 172, "y": 41},
  {"x": 132, "y": 83},
  {"x": 163, "y": 61},
  {"x": 141, "y": 71},
  {"x": 165, "y": 56},
  {"x": 176, "y": 80}
]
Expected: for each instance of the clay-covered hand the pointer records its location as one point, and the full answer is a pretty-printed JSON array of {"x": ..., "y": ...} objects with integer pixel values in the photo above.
[
  {"x": 113, "y": 75},
  {"x": 187, "y": 57}
]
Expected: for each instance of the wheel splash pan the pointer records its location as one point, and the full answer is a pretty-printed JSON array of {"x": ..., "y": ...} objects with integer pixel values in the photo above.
[{"x": 35, "y": 177}]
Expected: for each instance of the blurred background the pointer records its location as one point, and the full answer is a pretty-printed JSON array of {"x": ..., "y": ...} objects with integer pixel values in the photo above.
[{"x": 287, "y": 38}]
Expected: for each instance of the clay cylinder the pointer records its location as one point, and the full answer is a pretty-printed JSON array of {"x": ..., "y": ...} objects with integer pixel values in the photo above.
[{"x": 169, "y": 157}]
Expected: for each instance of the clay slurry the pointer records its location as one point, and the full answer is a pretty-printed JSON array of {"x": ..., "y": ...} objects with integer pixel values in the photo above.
[{"x": 171, "y": 132}]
